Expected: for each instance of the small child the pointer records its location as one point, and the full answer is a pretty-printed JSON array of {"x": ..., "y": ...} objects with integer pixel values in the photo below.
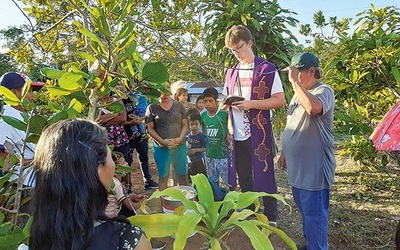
[
  {"x": 181, "y": 95},
  {"x": 196, "y": 143},
  {"x": 200, "y": 104},
  {"x": 215, "y": 122},
  {"x": 131, "y": 202},
  {"x": 138, "y": 111}
]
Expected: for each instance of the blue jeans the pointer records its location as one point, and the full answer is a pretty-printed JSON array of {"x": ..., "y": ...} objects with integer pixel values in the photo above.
[
  {"x": 142, "y": 148},
  {"x": 314, "y": 209}
]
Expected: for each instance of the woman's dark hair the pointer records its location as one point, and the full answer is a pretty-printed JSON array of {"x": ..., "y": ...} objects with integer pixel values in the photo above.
[
  {"x": 69, "y": 195},
  {"x": 200, "y": 97}
]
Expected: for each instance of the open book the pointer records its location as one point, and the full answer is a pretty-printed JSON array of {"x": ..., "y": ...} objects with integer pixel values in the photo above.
[{"x": 231, "y": 99}]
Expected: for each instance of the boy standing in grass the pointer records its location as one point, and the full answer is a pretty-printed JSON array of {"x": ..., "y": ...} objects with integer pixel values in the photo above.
[
  {"x": 196, "y": 143},
  {"x": 215, "y": 123}
]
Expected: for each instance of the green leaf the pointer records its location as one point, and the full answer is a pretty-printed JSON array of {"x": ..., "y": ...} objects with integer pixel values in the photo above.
[
  {"x": 149, "y": 91},
  {"x": 69, "y": 81},
  {"x": 14, "y": 122},
  {"x": 155, "y": 72},
  {"x": 87, "y": 56},
  {"x": 258, "y": 239},
  {"x": 78, "y": 95},
  {"x": 157, "y": 225},
  {"x": 51, "y": 73},
  {"x": 27, "y": 228},
  {"x": 185, "y": 228},
  {"x": 123, "y": 168},
  {"x": 75, "y": 105},
  {"x": 105, "y": 27},
  {"x": 126, "y": 30},
  {"x": 37, "y": 123},
  {"x": 256, "y": 24},
  {"x": 278, "y": 232},
  {"x": 58, "y": 91},
  {"x": 204, "y": 190},
  {"x": 61, "y": 115},
  {"x": 215, "y": 244},
  {"x": 396, "y": 73},
  {"x": 26, "y": 89},
  {"x": 343, "y": 117},
  {"x": 32, "y": 138},
  {"x": 129, "y": 45},
  {"x": 10, "y": 239},
  {"x": 4, "y": 179},
  {"x": 9, "y": 95},
  {"x": 116, "y": 107},
  {"x": 76, "y": 70},
  {"x": 87, "y": 33},
  {"x": 354, "y": 76}
]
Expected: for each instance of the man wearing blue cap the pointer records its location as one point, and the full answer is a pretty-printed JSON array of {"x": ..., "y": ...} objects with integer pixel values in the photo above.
[
  {"x": 16, "y": 83},
  {"x": 307, "y": 147}
]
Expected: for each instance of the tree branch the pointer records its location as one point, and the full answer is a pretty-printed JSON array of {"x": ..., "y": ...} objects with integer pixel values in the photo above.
[
  {"x": 22, "y": 11},
  {"x": 8, "y": 210}
]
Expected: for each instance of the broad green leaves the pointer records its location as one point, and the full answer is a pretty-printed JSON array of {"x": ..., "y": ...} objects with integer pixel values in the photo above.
[
  {"x": 363, "y": 70},
  {"x": 155, "y": 72},
  {"x": 9, "y": 97},
  {"x": 187, "y": 218}
]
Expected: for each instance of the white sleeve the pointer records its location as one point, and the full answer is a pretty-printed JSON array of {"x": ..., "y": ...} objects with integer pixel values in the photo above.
[{"x": 276, "y": 85}]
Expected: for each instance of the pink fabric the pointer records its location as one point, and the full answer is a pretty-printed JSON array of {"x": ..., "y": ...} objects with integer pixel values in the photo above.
[{"x": 386, "y": 136}]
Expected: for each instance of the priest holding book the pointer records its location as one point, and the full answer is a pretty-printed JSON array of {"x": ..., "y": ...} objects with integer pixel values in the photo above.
[{"x": 250, "y": 131}]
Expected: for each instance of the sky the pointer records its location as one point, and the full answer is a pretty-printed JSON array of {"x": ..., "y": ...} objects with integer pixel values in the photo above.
[
  {"x": 305, "y": 9},
  {"x": 10, "y": 15}
]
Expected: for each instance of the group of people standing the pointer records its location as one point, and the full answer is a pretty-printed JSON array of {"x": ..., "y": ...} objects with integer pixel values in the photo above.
[
  {"x": 75, "y": 168},
  {"x": 307, "y": 140}
]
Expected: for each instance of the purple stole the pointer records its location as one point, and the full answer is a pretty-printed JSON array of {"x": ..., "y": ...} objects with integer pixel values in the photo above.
[{"x": 260, "y": 128}]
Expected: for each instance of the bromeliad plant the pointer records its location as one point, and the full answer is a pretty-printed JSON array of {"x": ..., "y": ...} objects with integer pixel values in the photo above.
[{"x": 212, "y": 219}]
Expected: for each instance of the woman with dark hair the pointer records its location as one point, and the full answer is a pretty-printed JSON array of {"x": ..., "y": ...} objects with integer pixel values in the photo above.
[
  {"x": 167, "y": 124},
  {"x": 74, "y": 171}
]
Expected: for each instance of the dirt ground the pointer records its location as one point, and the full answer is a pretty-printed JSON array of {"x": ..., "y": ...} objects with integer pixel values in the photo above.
[{"x": 361, "y": 216}]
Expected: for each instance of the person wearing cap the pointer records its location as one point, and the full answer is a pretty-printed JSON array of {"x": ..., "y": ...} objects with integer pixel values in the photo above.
[
  {"x": 250, "y": 143},
  {"x": 16, "y": 83},
  {"x": 308, "y": 147}
]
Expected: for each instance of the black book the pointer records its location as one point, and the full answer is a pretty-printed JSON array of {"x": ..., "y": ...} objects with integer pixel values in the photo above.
[{"x": 231, "y": 99}]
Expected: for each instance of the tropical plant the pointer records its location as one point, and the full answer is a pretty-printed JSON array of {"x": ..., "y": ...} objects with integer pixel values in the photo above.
[
  {"x": 212, "y": 219},
  {"x": 10, "y": 234}
]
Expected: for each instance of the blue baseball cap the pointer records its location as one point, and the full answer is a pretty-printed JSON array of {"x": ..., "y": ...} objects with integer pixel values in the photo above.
[{"x": 13, "y": 80}]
